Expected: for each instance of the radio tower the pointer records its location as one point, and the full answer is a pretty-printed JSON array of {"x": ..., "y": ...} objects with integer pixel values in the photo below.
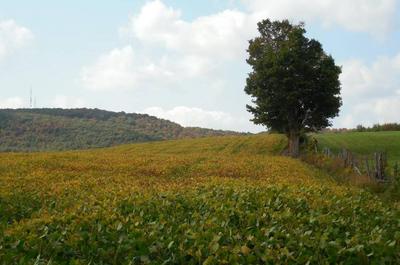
[{"x": 30, "y": 99}]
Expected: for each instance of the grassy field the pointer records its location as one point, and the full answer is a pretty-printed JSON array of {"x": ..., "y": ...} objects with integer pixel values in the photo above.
[
  {"x": 222, "y": 200},
  {"x": 363, "y": 142}
]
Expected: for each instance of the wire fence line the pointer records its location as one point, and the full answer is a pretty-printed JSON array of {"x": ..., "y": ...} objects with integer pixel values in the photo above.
[{"x": 374, "y": 165}]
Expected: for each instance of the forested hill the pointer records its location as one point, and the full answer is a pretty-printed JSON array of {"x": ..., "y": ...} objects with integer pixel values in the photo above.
[{"x": 67, "y": 129}]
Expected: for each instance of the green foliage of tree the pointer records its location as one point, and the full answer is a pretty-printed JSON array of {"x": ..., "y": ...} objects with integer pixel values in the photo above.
[{"x": 294, "y": 84}]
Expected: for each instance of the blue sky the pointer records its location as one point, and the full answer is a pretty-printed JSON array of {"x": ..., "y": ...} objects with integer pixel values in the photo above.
[{"x": 185, "y": 60}]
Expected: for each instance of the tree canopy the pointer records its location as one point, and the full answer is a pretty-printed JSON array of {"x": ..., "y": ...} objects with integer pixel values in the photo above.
[{"x": 294, "y": 84}]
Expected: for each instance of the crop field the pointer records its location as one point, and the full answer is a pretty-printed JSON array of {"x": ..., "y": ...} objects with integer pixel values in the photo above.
[
  {"x": 364, "y": 143},
  {"x": 220, "y": 200}
]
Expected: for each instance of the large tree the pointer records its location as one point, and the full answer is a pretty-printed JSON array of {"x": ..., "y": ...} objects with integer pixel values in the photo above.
[{"x": 294, "y": 84}]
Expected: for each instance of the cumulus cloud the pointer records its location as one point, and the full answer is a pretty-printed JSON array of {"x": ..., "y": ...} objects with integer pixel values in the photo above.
[
  {"x": 11, "y": 103},
  {"x": 187, "y": 116},
  {"x": 189, "y": 50},
  {"x": 169, "y": 48},
  {"x": 370, "y": 92},
  {"x": 198, "y": 117},
  {"x": 112, "y": 70},
  {"x": 372, "y": 111},
  {"x": 122, "y": 69},
  {"x": 62, "y": 101},
  {"x": 370, "y": 16},
  {"x": 378, "y": 79},
  {"x": 13, "y": 37},
  {"x": 205, "y": 36}
]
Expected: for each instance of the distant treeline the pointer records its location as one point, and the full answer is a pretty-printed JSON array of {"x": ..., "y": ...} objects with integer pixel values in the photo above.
[
  {"x": 361, "y": 128},
  {"x": 379, "y": 127},
  {"x": 66, "y": 129}
]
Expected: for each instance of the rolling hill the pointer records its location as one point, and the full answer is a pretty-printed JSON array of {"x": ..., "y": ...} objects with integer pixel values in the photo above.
[
  {"x": 67, "y": 129},
  {"x": 214, "y": 200}
]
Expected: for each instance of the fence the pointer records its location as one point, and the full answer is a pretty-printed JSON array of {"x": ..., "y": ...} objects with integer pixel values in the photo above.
[{"x": 374, "y": 166}]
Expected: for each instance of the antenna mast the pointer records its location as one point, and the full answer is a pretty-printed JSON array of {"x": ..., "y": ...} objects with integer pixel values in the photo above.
[{"x": 30, "y": 99}]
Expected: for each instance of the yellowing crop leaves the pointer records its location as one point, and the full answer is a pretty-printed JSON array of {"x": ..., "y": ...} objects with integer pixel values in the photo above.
[{"x": 211, "y": 200}]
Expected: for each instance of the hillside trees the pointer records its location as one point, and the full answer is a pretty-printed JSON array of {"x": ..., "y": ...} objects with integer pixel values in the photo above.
[
  {"x": 66, "y": 129},
  {"x": 294, "y": 84}
]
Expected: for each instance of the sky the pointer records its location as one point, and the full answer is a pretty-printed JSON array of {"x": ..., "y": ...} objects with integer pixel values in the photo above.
[{"x": 186, "y": 60}]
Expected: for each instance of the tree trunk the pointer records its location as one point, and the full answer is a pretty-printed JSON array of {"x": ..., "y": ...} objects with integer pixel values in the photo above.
[{"x": 294, "y": 140}]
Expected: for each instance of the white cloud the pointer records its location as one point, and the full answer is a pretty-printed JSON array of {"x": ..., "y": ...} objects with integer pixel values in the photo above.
[
  {"x": 189, "y": 50},
  {"x": 169, "y": 49},
  {"x": 11, "y": 103},
  {"x": 387, "y": 109},
  {"x": 198, "y": 117},
  {"x": 121, "y": 69},
  {"x": 112, "y": 70},
  {"x": 369, "y": 112},
  {"x": 13, "y": 37},
  {"x": 205, "y": 36},
  {"x": 379, "y": 79},
  {"x": 370, "y": 16},
  {"x": 187, "y": 116},
  {"x": 370, "y": 92},
  {"x": 62, "y": 101}
]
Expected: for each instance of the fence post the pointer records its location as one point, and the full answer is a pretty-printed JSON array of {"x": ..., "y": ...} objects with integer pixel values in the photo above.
[
  {"x": 344, "y": 157},
  {"x": 380, "y": 166},
  {"x": 374, "y": 166},
  {"x": 367, "y": 166}
]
